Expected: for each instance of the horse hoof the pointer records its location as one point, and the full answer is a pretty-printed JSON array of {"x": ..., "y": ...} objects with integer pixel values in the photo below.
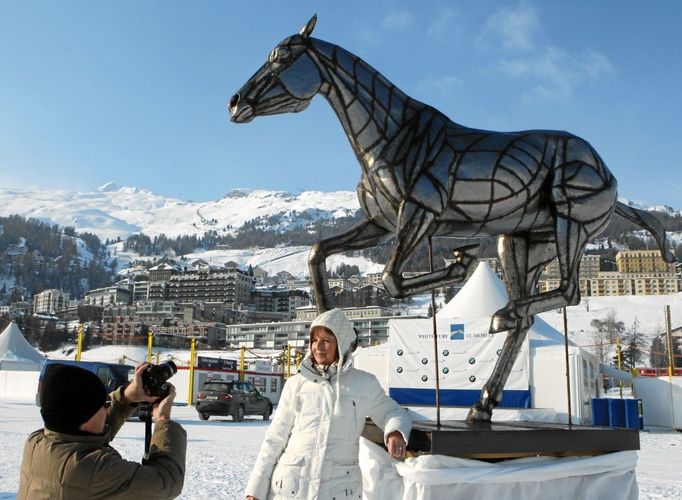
[
  {"x": 466, "y": 254},
  {"x": 478, "y": 414}
]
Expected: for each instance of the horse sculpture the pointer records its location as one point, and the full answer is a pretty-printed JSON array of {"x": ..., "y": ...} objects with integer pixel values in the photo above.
[{"x": 544, "y": 194}]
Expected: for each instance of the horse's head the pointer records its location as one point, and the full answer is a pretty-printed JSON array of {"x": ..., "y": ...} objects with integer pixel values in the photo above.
[{"x": 284, "y": 84}]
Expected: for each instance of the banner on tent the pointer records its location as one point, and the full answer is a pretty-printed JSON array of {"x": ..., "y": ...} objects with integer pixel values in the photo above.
[{"x": 467, "y": 354}]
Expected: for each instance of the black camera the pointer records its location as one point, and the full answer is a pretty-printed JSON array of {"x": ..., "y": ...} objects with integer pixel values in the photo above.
[{"x": 154, "y": 378}]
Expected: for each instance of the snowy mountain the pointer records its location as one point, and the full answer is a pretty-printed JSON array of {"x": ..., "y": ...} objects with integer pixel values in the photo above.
[{"x": 112, "y": 211}]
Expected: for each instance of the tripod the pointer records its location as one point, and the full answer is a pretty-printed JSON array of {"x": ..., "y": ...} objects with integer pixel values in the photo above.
[{"x": 146, "y": 411}]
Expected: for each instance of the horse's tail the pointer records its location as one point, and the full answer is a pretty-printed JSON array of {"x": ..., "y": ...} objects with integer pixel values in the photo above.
[{"x": 648, "y": 222}]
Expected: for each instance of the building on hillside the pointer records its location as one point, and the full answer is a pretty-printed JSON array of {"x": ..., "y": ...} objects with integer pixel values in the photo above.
[
  {"x": 359, "y": 297},
  {"x": 268, "y": 335},
  {"x": 109, "y": 295},
  {"x": 610, "y": 283},
  {"x": 140, "y": 290},
  {"x": 296, "y": 284},
  {"x": 640, "y": 272},
  {"x": 589, "y": 268},
  {"x": 50, "y": 301},
  {"x": 374, "y": 279},
  {"x": 341, "y": 283},
  {"x": 285, "y": 276},
  {"x": 158, "y": 290},
  {"x": 547, "y": 284},
  {"x": 200, "y": 265},
  {"x": 259, "y": 274},
  {"x": 642, "y": 261},
  {"x": 118, "y": 312},
  {"x": 212, "y": 334},
  {"x": 158, "y": 312},
  {"x": 16, "y": 310},
  {"x": 163, "y": 271},
  {"x": 231, "y": 286},
  {"x": 121, "y": 331},
  {"x": 655, "y": 283},
  {"x": 279, "y": 301}
]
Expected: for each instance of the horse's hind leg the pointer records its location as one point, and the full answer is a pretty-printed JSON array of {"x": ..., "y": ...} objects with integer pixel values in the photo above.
[
  {"x": 523, "y": 258},
  {"x": 571, "y": 238}
]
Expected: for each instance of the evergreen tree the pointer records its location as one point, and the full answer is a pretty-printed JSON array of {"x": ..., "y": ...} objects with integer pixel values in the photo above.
[
  {"x": 633, "y": 352},
  {"x": 658, "y": 354},
  {"x": 52, "y": 337}
]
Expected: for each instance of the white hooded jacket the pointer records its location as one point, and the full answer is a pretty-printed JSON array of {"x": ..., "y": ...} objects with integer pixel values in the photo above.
[{"x": 310, "y": 450}]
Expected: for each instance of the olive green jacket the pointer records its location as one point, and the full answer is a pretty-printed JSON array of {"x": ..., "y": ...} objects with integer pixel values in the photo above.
[{"x": 64, "y": 466}]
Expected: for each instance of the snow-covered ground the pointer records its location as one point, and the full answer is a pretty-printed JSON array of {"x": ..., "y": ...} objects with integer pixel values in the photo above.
[{"x": 221, "y": 453}]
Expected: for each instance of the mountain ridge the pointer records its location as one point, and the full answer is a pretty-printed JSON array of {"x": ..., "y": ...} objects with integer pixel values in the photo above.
[{"x": 113, "y": 212}]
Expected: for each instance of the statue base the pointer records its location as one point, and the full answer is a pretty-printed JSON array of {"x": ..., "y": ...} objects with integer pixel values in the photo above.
[{"x": 506, "y": 440}]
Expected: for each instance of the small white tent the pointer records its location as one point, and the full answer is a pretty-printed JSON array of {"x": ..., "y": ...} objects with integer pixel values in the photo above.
[{"x": 16, "y": 353}]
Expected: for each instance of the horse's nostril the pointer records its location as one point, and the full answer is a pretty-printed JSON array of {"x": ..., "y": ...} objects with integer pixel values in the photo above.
[{"x": 234, "y": 101}]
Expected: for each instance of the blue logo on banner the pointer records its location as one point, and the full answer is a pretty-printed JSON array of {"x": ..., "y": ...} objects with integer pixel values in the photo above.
[{"x": 457, "y": 332}]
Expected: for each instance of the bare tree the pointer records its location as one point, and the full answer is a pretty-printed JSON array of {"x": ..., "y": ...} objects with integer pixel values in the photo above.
[
  {"x": 600, "y": 345},
  {"x": 610, "y": 326}
]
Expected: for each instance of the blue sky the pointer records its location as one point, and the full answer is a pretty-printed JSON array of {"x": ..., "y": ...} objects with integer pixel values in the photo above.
[{"x": 135, "y": 92}]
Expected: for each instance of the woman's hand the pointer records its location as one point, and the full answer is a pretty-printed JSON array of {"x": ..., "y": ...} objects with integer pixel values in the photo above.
[
  {"x": 134, "y": 393},
  {"x": 396, "y": 445},
  {"x": 249, "y": 497}
]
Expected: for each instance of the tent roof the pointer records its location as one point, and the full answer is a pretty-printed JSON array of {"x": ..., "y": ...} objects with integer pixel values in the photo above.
[
  {"x": 14, "y": 347},
  {"x": 482, "y": 296}
]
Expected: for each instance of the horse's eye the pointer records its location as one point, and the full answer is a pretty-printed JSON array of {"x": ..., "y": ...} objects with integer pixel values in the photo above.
[{"x": 281, "y": 54}]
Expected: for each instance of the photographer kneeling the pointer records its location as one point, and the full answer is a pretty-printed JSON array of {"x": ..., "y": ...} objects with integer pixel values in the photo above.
[{"x": 71, "y": 457}]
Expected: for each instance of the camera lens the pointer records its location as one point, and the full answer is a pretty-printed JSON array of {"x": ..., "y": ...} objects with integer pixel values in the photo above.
[{"x": 154, "y": 378}]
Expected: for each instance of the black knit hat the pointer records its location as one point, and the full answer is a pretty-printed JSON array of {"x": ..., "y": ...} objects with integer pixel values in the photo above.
[{"x": 69, "y": 397}]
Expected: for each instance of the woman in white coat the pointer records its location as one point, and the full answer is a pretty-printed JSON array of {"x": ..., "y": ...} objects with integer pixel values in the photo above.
[{"x": 310, "y": 450}]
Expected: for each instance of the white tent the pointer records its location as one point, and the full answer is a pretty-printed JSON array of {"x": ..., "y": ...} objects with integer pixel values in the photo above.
[
  {"x": 540, "y": 366},
  {"x": 16, "y": 353}
]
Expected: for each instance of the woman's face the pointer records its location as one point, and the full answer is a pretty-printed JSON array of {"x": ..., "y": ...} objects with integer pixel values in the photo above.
[{"x": 323, "y": 346}]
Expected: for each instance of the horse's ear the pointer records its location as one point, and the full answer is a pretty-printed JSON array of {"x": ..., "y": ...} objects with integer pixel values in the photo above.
[{"x": 308, "y": 28}]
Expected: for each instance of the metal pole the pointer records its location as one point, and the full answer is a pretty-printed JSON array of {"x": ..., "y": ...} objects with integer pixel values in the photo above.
[
  {"x": 668, "y": 334},
  {"x": 568, "y": 370},
  {"x": 241, "y": 363},
  {"x": 192, "y": 354},
  {"x": 671, "y": 364},
  {"x": 150, "y": 344},
  {"x": 79, "y": 349},
  {"x": 435, "y": 337},
  {"x": 620, "y": 361}
]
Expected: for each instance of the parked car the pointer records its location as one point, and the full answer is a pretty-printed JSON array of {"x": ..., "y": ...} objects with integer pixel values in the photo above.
[
  {"x": 218, "y": 397},
  {"x": 112, "y": 375}
]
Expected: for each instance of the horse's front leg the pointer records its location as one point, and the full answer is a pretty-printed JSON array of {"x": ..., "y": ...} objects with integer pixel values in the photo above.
[
  {"x": 413, "y": 225},
  {"x": 364, "y": 235}
]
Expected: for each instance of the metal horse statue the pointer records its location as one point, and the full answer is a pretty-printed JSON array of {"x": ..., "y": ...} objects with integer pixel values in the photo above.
[{"x": 544, "y": 194}]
